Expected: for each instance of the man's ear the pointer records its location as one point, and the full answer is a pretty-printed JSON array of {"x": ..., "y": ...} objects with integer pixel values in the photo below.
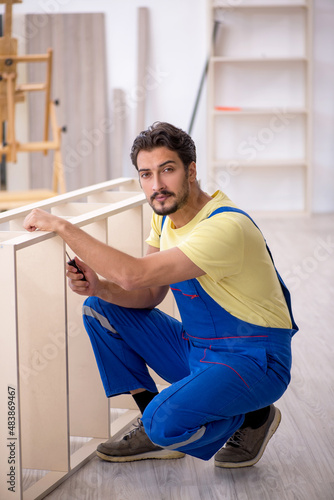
[{"x": 192, "y": 171}]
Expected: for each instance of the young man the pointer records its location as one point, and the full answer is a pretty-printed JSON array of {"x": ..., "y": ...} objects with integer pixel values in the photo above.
[{"x": 229, "y": 359}]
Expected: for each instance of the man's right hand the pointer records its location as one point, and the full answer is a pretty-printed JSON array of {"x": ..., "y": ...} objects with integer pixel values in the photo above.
[{"x": 75, "y": 282}]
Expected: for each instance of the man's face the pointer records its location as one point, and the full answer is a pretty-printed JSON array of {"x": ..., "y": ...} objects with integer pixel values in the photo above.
[{"x": 163, "y": 179}]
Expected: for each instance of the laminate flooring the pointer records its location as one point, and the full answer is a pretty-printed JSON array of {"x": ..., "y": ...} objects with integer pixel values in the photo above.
[{"x": 298, "y": 463}]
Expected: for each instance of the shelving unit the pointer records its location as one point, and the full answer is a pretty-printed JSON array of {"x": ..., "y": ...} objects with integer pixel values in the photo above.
[
  {"x": 259, "y": 103},
  {"x": 51, "y": 392}
]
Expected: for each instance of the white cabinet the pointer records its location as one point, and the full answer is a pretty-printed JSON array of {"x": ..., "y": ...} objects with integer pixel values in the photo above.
[{"x": 259, "y": 103}]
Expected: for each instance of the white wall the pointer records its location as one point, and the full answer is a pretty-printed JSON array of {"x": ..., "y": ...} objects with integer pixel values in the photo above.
[
  {"x": 176, "y": 57},
  {"x": 323, "y": 118},
  {"x": 178, "y": 49}
]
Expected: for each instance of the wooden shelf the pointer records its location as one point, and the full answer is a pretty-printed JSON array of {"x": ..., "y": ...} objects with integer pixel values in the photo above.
[
  {"x": 219, "y": 163},
  {"x": 260, "y": 71},
  {"x": 257, "y": 111},
  {"x": 262, "y": 59},
  {"x": 222, "y": 5}
]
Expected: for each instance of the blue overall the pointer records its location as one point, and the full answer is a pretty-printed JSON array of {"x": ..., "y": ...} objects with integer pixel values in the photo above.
[{"x": 219, "y": 366}]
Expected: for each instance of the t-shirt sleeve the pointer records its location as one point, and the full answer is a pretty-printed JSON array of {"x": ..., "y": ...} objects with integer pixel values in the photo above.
[
  {"x": 155, "y": 233},
  {"x": 216, "y": 245}
]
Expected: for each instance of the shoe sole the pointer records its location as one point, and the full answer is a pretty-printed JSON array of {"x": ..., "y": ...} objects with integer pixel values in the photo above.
[
  {"x": 150, "y": 455},
  {"x": 271, "y": 431}
]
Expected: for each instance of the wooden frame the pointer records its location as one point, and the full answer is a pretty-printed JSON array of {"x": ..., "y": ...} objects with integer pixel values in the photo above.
[
  {"x": 50, "y": 387},
  {"x": 10, "y": 94}
]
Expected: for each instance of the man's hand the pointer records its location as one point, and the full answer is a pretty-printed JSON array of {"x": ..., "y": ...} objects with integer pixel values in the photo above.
[
  {"x": 88, "y": 287},
  {"x": 39, "y": 219}
]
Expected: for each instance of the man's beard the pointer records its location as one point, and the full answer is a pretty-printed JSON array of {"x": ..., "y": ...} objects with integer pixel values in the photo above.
[{"x": 178, "y": 203}]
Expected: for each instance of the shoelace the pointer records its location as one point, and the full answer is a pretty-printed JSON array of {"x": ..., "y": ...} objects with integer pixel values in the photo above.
[
  {"x": 236, "y": 439},
  {"x": 136, "y": 428}
]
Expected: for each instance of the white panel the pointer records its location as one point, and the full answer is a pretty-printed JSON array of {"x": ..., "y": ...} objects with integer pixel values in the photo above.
[
  {"x": 43, "y": 355},
  {"x": 285, "y": 187},
  {"x": 125, "y": 232},
  {"x": 264, "y": 85},
  {"x": 10, "y": 467},
  {"x": 88, "y": 403},
  {"x": 276, "y": 136},
  {"x": 110, "y": 196},
  {"x": 261, "y": 33}
]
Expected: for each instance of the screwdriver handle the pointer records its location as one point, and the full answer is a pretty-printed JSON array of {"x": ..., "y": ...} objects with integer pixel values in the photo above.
[{"x": 74, "y": 264}]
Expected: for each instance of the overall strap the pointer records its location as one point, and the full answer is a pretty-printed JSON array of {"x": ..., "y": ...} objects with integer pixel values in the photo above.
[
  {"x": 162, "y": 225},
  {"x": 163, "y": 222},
  {"x": 285, "y": 290}
]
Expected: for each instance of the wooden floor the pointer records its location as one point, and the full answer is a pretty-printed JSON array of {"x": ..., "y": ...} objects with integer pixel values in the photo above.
[{"x": 298, "y": 463}]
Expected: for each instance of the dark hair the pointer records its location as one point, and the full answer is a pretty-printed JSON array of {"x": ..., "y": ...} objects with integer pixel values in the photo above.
[{"x": 164, "y": 134}]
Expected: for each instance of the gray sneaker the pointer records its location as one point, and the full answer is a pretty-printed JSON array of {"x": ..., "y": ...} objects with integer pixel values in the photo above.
[
  {"x": 135, "y": 445},
  {"x": 247, "y": 445}
]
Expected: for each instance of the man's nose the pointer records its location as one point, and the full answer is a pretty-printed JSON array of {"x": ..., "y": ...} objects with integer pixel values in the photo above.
[{"x": 158, "y": 184}]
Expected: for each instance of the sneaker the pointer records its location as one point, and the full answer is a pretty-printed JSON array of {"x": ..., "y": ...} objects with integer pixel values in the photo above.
[
  {"x": 135, "y": 445},
  {"x": 247, "y": 445}
]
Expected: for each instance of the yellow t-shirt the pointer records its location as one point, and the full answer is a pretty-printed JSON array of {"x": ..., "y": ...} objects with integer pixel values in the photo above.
[{"x": 230, "y": 249}]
